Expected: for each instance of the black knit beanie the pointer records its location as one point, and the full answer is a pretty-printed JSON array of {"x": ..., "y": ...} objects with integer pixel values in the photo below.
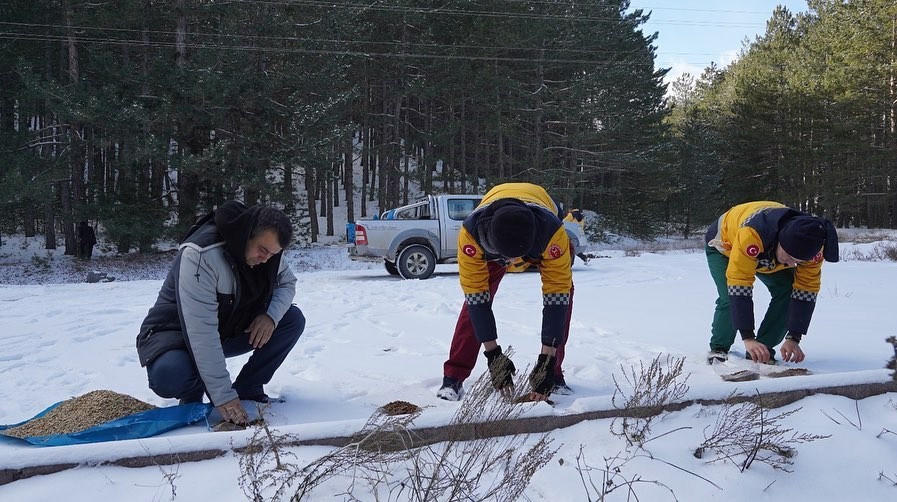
[
  {"x": 512, "y": 230},
  {"x": 802, "y": 237}
]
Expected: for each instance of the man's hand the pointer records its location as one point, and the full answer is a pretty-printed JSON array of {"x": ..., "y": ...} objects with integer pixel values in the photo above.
[
  {"x": 542, "y": 377},
  {"x": 791, "y": 352},
  {"x": 260, "y": 330},
  {"x": 501, "y": 369},
  {"x": 233, "y": 412},
  {"x": 758, "y": 352}
]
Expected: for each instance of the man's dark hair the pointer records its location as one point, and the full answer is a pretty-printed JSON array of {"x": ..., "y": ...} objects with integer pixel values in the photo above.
[{"x": 270, "y": 218}]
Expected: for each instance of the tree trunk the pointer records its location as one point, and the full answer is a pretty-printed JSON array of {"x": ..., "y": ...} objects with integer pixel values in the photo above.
[
  {"x": 500, "y": 139},
  {"x": 188, "y": 183},
  {"x": 330, "y": 182},
  {"x": 461, "y": 163},
  {"x": 336, "y": 167},
  {"x": 349, "y": 176},
  {"x": 365, "y": 146},
  {"x": 482, "y": 148},
  {"x": 321, "y": 188},
  {"x": 892, "y": 80},
  {"x": 71, "y": 191},
  {"x": 448, "y": 168},
  {"x": 180, "y": 37},
  {"x": 50, "y": 222},
  {"x": 537, "y": 120},
  {"x": 892, "y": 89},
  {"x": 29, "y": 217},
  {"x": 312, "y": 211},
  {"x": 70, "y": 44},
  {"x": 428, "y": 156},
  {"x": 289, "y": 204},
  {"x": 384, "y": 184},
  {"x": 65, "y": 192}
]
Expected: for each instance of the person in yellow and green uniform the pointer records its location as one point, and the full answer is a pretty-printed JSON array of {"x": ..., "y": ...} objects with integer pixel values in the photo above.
[
  {"x": 514, "y": 222},
  {"x": 784, "y": 249}
]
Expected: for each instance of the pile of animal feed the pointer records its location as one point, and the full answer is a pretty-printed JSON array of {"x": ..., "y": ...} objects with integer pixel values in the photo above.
[{"x": 80, "y": 413}]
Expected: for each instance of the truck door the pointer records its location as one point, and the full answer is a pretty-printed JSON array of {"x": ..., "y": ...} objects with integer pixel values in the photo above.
[{"x": 455, "y": 212}]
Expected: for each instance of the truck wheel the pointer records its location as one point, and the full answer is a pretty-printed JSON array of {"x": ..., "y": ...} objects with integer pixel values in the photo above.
[
  {"x": 390, "y": 267},
  {"x": 416, "y": 262}
]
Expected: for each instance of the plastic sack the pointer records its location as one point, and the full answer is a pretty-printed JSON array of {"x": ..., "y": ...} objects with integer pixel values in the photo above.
[{"x": 139, "y": 425}]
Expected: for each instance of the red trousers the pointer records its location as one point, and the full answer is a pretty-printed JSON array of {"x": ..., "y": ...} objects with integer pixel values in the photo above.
[{"x": 466, "y": 348}]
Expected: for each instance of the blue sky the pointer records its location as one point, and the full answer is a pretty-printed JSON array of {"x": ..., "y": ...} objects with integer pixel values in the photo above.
[{"x": 694, "y": 33}]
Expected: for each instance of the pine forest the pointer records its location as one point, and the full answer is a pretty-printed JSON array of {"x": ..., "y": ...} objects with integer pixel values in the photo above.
[{"x": 140, "y": 115}]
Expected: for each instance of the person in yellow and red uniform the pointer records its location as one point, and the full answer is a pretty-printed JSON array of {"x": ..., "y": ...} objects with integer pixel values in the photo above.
[
  {"x": 574, "y": 215},
  {"x": 514, "y": 221},
  {"x": 784, "y": 249},
  {"x": 577, "y": 216}
]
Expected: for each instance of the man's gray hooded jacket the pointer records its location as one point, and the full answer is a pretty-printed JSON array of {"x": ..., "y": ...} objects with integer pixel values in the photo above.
[{"x": 195, "y": 307}]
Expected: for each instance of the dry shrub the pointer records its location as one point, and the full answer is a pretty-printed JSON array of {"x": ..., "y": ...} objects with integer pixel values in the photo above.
[
  {"x": 647, "y": 389},
  {"x": 865, "y": 236},
  {"x": 643, "y": 393},
  {"x": 599, "y": 482},
  {"x": 390, "y": 461},
  {"x": 882, "y": 251},
  {"x": 889, "y": 250},
  {"x": 745, "y": 432}
]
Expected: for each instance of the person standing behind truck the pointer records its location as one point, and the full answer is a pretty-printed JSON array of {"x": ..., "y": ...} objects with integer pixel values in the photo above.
[
  {"x": 87, "y": 239},
  {"x": 577, "y": 216},
  {"x": 514, "y": 221}
]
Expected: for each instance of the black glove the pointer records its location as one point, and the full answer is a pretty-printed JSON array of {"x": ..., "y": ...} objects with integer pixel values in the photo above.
[
  {"x": 501, "y": 368},
  {"x": 542, "y": 377}
]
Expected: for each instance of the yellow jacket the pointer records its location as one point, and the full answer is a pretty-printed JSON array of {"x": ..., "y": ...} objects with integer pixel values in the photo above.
[
  {"x": 575, "y": 215},
  {"x": 551, "y": 252},
  {"x": 748, "y": 235}
]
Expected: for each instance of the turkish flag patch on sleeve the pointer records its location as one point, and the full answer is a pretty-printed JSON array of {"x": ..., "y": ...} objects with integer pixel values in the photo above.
[
  {"x": 469, "y": 250},
  {"x": 554, "y": 251},
  {"x": 753, "y": 250}
]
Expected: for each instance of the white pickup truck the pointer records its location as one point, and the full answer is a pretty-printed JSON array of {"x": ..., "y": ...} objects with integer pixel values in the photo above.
[{"x": 410, "y": 240}]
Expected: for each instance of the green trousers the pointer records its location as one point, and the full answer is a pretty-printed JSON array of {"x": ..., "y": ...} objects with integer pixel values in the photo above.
[{"x": 775, "y": 321}]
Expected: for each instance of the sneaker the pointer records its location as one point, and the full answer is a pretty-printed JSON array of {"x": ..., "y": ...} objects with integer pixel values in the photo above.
[
  {"x": 197, "y": 398},
  {"x": 263, "y": 398},
  {"x": 560, "y": 387},
  {"x": 717, "y": 356},
  {"x": 772, "y": 360},
  {"x": 451, "y": 389}
]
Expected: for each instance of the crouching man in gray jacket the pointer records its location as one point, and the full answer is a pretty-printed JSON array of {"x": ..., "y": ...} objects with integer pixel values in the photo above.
[{"x": 228, "y": 293}]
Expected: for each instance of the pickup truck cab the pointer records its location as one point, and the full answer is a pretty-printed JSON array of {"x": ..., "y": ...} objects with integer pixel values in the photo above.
[{"x": 421, "y": 235}]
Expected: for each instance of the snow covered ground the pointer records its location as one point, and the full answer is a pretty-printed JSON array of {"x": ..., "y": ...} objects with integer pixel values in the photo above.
[{"x": 372, "y": 338}]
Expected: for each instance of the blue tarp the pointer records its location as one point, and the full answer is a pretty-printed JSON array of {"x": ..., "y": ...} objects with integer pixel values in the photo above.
[{"x": 139, "y": 425}]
